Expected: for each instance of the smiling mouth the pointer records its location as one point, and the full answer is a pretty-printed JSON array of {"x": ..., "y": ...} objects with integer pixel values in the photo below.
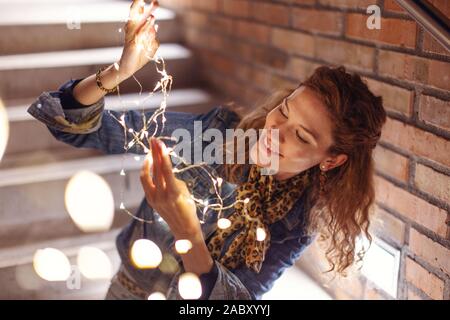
[{"x": 266, "y": 143}]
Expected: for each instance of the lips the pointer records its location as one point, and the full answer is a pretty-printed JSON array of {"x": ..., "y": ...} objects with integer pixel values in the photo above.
[{"x": 267, "y": 142}]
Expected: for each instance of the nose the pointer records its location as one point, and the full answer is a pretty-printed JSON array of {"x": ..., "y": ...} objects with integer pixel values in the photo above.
[{"x": 280, "y": 134}]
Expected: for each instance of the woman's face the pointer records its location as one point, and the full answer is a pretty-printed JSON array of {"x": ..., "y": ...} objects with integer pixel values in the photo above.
[{"x": 304, "y": 135}]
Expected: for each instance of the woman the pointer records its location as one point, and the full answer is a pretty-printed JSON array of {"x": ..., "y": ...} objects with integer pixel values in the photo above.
[{"x": 327, "y": 129}]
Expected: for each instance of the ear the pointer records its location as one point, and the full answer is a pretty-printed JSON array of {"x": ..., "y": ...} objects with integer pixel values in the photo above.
[{"x": 336, "y": 161}]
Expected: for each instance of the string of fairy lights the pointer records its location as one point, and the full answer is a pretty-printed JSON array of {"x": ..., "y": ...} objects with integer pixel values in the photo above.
[{"x": 144, "y": 253}]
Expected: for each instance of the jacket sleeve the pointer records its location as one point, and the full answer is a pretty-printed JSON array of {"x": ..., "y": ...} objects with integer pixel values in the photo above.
[
  {"x": 94, "y": 127},
  {"x": 243, "y": 283}
]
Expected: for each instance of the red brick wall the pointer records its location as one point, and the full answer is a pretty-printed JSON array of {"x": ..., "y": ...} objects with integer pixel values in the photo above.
[{"x": 245, "y": 49}]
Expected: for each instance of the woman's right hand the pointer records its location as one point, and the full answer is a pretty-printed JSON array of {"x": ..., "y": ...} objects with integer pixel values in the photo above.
[{"x": 141, "y": 42}]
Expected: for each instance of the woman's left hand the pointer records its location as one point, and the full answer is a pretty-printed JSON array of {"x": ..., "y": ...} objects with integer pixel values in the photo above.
[{"x": 168, "y": 195}]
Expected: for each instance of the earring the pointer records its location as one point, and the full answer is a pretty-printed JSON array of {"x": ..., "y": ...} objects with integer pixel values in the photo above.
[{"x": 322, "y": 180}]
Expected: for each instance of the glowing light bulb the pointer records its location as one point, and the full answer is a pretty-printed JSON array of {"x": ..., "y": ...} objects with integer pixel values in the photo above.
[
  {"x": 89, "y": 201},
  {"x": 4, "y": 129},
  {"x": 189, "y": 286},
  {"x": 223, "y": 223},
  {"x": 260, "y": 234},
  {"x": 156, "y": 296},
  {"x": 51, "y": 264},
  {"x": 183, "y": 246},
  {"x": 94, "y": 263},
  {"x": 145, "y": 254}
]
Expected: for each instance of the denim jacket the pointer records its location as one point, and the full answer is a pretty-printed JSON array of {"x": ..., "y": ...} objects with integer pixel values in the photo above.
[{"x": 288, "y": 236}]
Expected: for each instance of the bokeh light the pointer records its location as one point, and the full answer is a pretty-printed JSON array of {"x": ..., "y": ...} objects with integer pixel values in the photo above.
[
  {"x": 89, "y": 201},
  {"x": 189, "y": 286},
  {"x": 223, "y": 223},
  {"x": 51, "y": 264},
  {"x": 157, "y": 296},
  {"x": 94, "y": 263},
  {"x": 4, "y": 129},
  {"x": 260, "y": 234},
  {"x": 183, "y": 246},
  {"x": 145, "y": 254}
]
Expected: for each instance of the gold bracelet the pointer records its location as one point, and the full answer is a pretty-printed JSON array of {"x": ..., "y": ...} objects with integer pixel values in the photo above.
[{"x": 99, "y": 82}]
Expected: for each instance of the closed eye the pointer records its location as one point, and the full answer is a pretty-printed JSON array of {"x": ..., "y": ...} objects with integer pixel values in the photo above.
[{"x": 286, "y": 116}]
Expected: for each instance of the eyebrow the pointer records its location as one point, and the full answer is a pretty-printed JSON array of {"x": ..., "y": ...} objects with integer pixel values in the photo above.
[{"x": 304, "y": 128}]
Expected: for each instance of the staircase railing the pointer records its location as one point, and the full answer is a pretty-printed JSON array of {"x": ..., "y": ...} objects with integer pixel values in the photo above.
[{"x": 430, "y": 18}]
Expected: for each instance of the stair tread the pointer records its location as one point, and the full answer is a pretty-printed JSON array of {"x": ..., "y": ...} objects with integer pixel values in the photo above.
[
  {"x": 24, "y": 254},
  {"x": 177, "y": 98},
  {"x": 167, "y": 51},
  {"x": 35, "y": 13}
]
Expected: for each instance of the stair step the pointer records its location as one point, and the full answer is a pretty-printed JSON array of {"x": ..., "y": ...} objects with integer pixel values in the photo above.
[
  {"x": 23, "y": 126},
  {"x": 20, "y": 281},
  {"x": 46, "y": 26},
  {"x": 36, "y": 193},
  {"x": 27, "y": 75}
]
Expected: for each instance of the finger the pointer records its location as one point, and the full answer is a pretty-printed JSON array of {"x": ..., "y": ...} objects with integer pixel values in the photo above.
[
  {"x": 166, "y": 168},
  {"x": 148, "y": 26},
  {"x": 146, "y": 179},
  {"x": 157, "y": 175},
  {"x": 136, "y": 7},
  {"x": 150, "y": 9}
]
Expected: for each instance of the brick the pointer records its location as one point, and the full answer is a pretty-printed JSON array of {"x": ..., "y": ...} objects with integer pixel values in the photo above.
[
  {"x": 257, "y": 76},
  {"x": 385, "y": 224},
  {"x": 393, "y": 31},
  {"x": 412, "y": 295},
  {"x": 429, "y": 250},
  {"x": 243, "y": 50},
  {"x": 352, "y": 284},
  {"x": 391, "y": 5},
  {"x": 435, "y": 112},
  {"x": 252, "y": 31},
  {"x": 221, "y": 64},
  {"x": 411, "y": 207},
  {"x": 195, "y": 37},
  {"x": 433, "y": 46},
  {"x": 221, "y": 24},
  {"x": 237, "y": 8},
  {"x": 273, "y": 58},
  {"x": 279, "y": 82},
  {"x": 196, "y": 19},
  {"x": 439, "y": 74},
  {"x": 403, "y": 66},
  {"x": 363, "y": 4},
  {"x": 348, "y": 54},
  {"x": 395, "y": 99},
  {"x": 433, "y": 182},
  {"x": 210, "y": 5},
  {"x": 327, "y": 22},
  {"x": 391, "y": 163},
  {"x": 424, "y": 280},
  {"x": 302, "y": 1},
  {"x": 301, "y": 69},
  {"x": 442, "y": 6},
  {"x": 293, "y": 42},
  {"x": 374, "y": 294},
  {"x": 416, "y": 141},
  {"x": 269, "y": 13}
]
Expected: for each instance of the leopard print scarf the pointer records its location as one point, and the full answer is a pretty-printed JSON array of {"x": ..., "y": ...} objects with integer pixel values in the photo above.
[{"x": 270, "y": 200}]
